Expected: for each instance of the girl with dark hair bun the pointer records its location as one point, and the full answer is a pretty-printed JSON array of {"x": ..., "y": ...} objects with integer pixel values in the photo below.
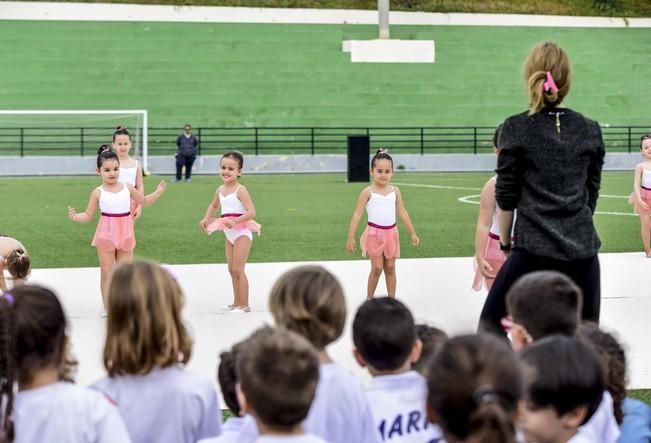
[
  {"x": 13, "y": 258},
  {"x": 380, "y": 240},
  {"x": 114, "y": 237}
]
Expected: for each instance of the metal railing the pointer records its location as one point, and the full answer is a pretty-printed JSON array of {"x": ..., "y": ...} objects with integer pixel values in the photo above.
[{"x": 84, "y": 141}]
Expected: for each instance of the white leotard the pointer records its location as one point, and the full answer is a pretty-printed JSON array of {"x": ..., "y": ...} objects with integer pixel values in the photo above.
[
  {"x": 115, "y": 202},
  {"x": 381, "y": 209}
]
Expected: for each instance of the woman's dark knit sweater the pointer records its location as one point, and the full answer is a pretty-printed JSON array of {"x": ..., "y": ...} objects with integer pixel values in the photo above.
[{"x": 551, "y": 173}]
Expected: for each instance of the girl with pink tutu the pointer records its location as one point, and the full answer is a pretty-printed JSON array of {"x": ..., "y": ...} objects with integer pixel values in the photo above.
[
  {"x": 237, "y": 213},
  {"x": 641, "y": 196},
  {"x": 380, "y": 239},
  {"x": 488, "y": 256},
  {"x": 114, "y": 237}
]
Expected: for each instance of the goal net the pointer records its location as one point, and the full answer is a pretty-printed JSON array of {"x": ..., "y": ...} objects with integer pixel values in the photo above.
[{"x": 69, "y": 133}]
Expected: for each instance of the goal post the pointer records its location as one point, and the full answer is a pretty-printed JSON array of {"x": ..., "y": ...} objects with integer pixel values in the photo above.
[{"x": 70, "y": 132}]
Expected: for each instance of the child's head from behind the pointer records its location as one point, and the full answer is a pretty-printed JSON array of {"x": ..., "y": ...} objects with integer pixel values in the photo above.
[
  {"x": 432, "y": 339},
  {"x": 544, "y": 303},
  {"x": 32, "y": 338},
  {"x": 18, "y": 264},
  {"x": 278, "y": 372},
  {"x": 384, "y": 334},
  {"x": 310, "y": 301},
  {"x": 144, "y": 328},
  {"x": 548, "y": 75},
  {"x": 227, "y": 378},
  {"x": 122, "y": 140},
  {"x": 474, "y": 385},
  {"x": 564, "y": 384},
  {"x": 613, "y": 358}
]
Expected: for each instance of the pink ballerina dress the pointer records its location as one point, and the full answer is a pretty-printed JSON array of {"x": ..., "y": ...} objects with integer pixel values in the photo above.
[
  {"x": 231, "y": 206},
  {"x": 380, "y": 237},
  {"x": 645, "y": 193},
  {"x": 115, "y": 227},
  {"x": 493, "y": 255}
]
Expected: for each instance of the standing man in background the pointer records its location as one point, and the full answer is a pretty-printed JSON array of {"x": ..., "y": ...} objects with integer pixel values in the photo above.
[{"x": 186, "y": 153}]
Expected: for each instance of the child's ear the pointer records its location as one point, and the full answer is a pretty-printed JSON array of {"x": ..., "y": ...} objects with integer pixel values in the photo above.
[
  {"x": 520, "y": 338},
  {"x": 359, "y": 359},
  {"x": 416, "y": 351},
  {"x": 575, "y": 417},
  {"x": 245, "y": 408}
]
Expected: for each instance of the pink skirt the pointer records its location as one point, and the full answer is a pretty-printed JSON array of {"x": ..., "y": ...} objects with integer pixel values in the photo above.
[
  {"x": 115, "y": 232},
  {"x": 377, "y": 242},
  {"x": 495, "y": 257},
  {"x": 645, "y": 193},
  {"x": 219, "y": 225}
]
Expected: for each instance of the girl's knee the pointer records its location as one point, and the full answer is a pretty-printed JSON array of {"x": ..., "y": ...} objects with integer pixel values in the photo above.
[
  {"x": 376, "y": 270},
  {"x": 236, "y": 273},
  {"x": 390, "y": 268}
]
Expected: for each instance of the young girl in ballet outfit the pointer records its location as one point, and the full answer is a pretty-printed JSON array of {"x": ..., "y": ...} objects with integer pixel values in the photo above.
[
  {"x": 114, "y": 237},
  {"x": 641, "y": 196},
  {"x": 131, "y": 171},
  {"x": 237, "y": 213},
  {"x": 488, "y": 256},
  {"x": 380, "y": 238}
]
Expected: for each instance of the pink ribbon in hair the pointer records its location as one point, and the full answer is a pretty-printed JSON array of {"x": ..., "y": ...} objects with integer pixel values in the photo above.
[{"x": 550, "y": 83}]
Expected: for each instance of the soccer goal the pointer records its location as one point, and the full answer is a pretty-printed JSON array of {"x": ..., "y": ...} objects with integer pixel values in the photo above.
[{"x": 69, "y": 132}]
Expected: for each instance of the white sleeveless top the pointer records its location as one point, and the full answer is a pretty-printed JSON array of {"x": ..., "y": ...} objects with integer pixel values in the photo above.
[
  {"x": 115, "y": 202},
  {"x": 646, "y": 178},
  {"x": 230, "y": 204},
  {"x": 381, "y": 209},
  {"x": 495, "y": 226},
  {"x": 128, "y": 175}
]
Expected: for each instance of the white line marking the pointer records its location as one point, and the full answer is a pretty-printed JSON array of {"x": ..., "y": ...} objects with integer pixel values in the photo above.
[{"x": 461, "y": 188}]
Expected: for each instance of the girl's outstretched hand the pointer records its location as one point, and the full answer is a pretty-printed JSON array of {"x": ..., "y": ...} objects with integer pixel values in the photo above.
[
  {"x": 350, "y": 245},
  {"x": 415, "y": 241},
  {"x": 161, "y": 186},
  {"x": 203, "y": 224},
  {"x": 643, "y": 204},
  {"x": 72, "y": 213},
  {"x": 137, "y": 212}
]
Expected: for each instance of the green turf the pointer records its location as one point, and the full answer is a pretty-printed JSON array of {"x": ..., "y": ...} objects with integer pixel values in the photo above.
[
  {"x": 641, "y": 394},
  {"x": 296, "y": 75},
  {"x": 304, "y": 217}
]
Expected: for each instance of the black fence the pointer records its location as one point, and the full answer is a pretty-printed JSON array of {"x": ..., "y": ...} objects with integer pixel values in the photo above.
[{"x": 84, "y": 141}]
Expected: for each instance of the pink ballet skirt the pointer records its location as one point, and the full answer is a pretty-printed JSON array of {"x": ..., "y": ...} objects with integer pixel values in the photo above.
[
  {"x": 115, "y": 231},
  {"x": 220, "y": 224},
  {"x": 495, "y": 257},
  {"x": 645, "y": 193},
  {"x": 380, "y": 240}
]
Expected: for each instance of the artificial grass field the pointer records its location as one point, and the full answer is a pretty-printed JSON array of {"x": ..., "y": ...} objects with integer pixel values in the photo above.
[{"x": 304, "y": 217}]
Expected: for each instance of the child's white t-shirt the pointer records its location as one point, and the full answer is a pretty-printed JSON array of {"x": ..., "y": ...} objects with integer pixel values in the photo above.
[
  {"x": 398, "y": 406},
  {"x": 340, "y": 412},
  {"x": 169, "y": 405},
  {"x": 602, "y": 426},
  {"x": 236, "y": 430},
  {"x": 305, "y": 438},
  {"x": 65, "y": 412}
]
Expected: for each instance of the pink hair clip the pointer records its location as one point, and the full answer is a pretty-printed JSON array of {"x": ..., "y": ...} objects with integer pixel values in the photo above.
[{"x": 550, "y": 83}]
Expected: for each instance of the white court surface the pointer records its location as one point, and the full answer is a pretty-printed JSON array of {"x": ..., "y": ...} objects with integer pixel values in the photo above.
[{"x": 437, "y": 290}]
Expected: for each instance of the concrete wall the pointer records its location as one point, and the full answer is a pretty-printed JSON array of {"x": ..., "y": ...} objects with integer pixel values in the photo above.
[{"x": 272, "y": 164}]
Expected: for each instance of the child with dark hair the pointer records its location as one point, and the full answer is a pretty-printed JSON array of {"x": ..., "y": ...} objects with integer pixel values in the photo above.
[
  {"x": 13, "y": 258},
  {"x": 564, "y": 393},
  {"x": 114, "y": 237},
  {"x": 542, "y": 303},
  {"x": 474, "y": 388},
  {"x": 380, "y": 240},
  {"x": 233, "y": 429},
  {"x": 396, "y": 393},
  {"x": 47, "y": 407},
  {"x": 432, "y": 339},
  {"x": 278, "y": 372},
  {"x": 310, "y": 301},
  {"x": 633, "y": 416}
]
